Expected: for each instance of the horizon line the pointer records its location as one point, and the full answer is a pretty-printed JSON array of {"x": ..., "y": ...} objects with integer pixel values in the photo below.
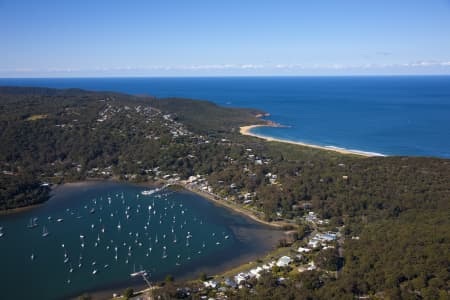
[{"x": 225, "y": 76}]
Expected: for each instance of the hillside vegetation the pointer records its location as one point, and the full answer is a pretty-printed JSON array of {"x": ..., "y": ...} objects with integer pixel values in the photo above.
[{"x": 398, "y": 207}]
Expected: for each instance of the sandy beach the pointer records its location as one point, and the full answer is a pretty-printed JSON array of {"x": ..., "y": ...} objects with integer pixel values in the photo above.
[{"x": 247, "y": 130}]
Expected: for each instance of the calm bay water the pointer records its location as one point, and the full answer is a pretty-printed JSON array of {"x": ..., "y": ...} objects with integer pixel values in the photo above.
[
  {"x": 167, "y": 232},
  {"x": 388, "y": 115}
]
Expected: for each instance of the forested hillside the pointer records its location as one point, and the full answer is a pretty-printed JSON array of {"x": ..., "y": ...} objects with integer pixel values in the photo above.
[{"x": 398, "y": 207}]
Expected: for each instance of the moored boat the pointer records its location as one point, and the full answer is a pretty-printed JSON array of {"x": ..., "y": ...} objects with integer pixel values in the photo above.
[{"x": 45, "y": 232}]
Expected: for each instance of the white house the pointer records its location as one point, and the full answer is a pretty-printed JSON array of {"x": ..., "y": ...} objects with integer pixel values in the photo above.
[
  {"x": 256, "y": 272},
  {"x": 312, "y": 266},
  {"x": 241, "y": 277},
  {"x": 211, "y": 283},
  {"x": 284, "y": 261},
  {"x": 326, "y": 237},
  {"x": 313, "y": 243},
  {"x": 303, "y": 250}
]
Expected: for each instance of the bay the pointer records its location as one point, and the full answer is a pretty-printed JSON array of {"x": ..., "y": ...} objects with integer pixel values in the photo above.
[{"x": 167, "y": 232}]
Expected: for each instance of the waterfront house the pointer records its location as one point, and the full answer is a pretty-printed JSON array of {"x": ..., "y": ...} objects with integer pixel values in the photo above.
[
  {"x": 229, "y": 282},
  {"x": 241, "y": 277},
  {"x": 211, "y": 283}
]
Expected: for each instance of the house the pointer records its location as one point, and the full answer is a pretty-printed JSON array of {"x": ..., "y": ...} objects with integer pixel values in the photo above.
[
  {"x": 303, "y": 250},
  {"x": 241, "y": 277},
  {"x": 230, "y": 283},
  {"x": 211, "y": 283},
  {"x": 326, "y": 237},
  {"x": 192, "y": 179},
  {"x": 284, "y": 261},
  {"x": 247, "y": 195},
  {"x": 313, "y": 243},
  {"x": 312, "y": 266},
  {"x": 281, "y": 279},
  {"x": 255, "y": 272}
]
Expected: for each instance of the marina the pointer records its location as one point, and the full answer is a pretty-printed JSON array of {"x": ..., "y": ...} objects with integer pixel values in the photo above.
[{"x": 92, "y": 236}]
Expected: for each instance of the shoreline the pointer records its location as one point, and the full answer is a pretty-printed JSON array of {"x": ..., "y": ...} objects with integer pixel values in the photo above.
[
  {"x": 247, "y": 130},
  {"x": 236, "y": 209},
  {"x": 21, "y": 209}
]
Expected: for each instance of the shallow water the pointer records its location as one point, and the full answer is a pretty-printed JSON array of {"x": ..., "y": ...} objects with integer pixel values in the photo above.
[{"x": 165, "y": 233}]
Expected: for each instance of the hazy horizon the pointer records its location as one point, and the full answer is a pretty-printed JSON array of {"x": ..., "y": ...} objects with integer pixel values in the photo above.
[{"x": 56, "y": 39}]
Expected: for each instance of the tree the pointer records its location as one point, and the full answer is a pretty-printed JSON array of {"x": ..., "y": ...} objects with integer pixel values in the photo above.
[
  {"x": 203, "y": 276},
  {"x": 128, "y": 293},
  {"x": 169, "y": 279},
  {"x": 328, "y": 259},
  {"x": 302, "y": 231}
]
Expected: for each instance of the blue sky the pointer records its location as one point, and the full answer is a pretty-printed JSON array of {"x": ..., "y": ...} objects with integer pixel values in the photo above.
[{"x": 63, "y": 38}]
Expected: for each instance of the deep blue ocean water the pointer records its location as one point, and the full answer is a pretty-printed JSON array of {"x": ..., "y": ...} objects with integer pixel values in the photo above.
[{"x": 400, "y": 115}]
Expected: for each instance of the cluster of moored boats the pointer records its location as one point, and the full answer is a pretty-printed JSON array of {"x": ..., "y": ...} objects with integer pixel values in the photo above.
[{"x": 143, "y": 231}]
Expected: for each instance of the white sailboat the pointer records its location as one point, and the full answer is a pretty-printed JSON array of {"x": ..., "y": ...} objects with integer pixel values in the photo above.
[
  {"x": 45, "y": 232},
  {"x": 32, "y": 223}
]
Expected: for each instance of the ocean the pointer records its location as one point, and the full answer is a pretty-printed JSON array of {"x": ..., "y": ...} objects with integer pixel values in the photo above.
[{"x": 397, "y": 115}]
